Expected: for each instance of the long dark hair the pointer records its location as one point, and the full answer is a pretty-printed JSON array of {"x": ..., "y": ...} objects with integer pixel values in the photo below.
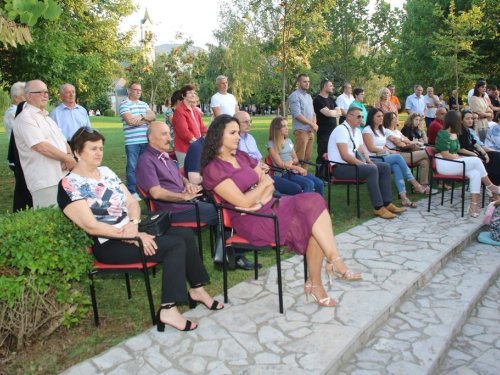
[
  {"x": 478, "y": 85},
  {"x": 453, "y": 120},
  {"x": 369, "y": 121},
  {"x": 213, "y": 139},
  {"x": 388, "y": 116}
]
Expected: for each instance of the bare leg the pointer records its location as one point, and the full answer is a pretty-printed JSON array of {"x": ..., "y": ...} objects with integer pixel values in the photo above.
[
  {"x": 315, "y": 258},
  {"x": 489, "y": 185},
  {"x": 173, "y": 318},
  {"x": 200, "y": 294},
  {"x": 474, "y": 199}
]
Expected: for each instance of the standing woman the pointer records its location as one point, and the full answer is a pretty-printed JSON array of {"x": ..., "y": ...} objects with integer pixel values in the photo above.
[
  {"x": 395, "y": 140},
  {"x": 359, "y": 97},
  {"x": 384, "y": 103},
  {"x": 374, "y": 140},
  {"x": 188, "y": 126},
  {"x": 280, "y": 147},
  {"x": 447, "y": 147},
  {"x": 480, "y": 105}
]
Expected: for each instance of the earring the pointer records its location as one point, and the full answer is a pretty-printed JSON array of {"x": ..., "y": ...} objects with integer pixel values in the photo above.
[
  {"x": 79, "y": 159},
  {"x": 221, "y": 149}
]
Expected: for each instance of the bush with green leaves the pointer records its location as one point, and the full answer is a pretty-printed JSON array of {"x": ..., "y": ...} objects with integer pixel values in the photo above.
[
  {"x": 44, "y": 266},
  {"x": 109, "y": 113}
]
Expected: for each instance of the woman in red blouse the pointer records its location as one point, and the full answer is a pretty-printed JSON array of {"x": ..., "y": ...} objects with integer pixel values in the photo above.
[{"x": 187, "y": 123}]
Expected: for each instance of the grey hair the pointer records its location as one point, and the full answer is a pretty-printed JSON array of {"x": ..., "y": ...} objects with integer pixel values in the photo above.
[
  {"x": 61, "y": 89},
  {"x": 219, "y": 78},
  {"x": 17, "y": 89}
]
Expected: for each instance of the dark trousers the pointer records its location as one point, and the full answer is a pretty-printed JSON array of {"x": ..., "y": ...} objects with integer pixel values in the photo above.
[
  {"x": 322, "y": 141},
  {"x": 378, "y": 180},
  {"x": 208, "y": 214},
  {"x": 176, "y": 250},
  {"x": 428, "y": 121}
]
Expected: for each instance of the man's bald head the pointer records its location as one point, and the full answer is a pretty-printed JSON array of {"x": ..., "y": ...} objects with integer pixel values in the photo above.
[
  {"x": 159, "y": 136},
  {"x": 440, "y": 114},
  {"x": 245, "y": 121}
]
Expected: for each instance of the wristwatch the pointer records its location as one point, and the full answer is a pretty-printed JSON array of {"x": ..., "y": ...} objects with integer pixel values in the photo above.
[{"x": 136, "y": 221}]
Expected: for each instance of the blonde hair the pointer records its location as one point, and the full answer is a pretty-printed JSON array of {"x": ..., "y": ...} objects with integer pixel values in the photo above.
[
  {"x": 275, "y": 134},
  {"x": 381, "y": 91},
  {"x": 409, "y": 120}
]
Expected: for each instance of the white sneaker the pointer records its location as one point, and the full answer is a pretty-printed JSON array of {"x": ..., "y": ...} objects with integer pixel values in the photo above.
[{"x": 137, "y": 197}]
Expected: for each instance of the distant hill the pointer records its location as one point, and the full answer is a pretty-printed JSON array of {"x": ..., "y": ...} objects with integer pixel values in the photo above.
[{"x": 166, "y": 48}]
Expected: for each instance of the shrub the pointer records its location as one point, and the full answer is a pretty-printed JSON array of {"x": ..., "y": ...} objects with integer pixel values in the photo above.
[
  {"x": 43, "y": 269},
  {"x": 109, "y": 113}
]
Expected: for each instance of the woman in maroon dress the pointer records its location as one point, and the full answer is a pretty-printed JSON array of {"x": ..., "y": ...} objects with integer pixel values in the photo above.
[{"x": 304, "y": 221}]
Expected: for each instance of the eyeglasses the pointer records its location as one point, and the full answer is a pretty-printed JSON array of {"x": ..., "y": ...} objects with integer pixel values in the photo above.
[
  {"x": 44, "y": 93},
  {"x": 358, "y": 116},
  {"x": 88, "y": 130}
]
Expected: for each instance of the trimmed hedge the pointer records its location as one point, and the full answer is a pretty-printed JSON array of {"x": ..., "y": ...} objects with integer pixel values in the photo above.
[
  {"x": 109, "y": 113},
  {"x": 44, "y": 266}
]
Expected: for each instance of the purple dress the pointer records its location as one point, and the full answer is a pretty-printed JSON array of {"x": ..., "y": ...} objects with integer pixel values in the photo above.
[{"x": 296, "y": 214}]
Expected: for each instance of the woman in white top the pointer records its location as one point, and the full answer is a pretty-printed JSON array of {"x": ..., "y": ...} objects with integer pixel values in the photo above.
[
  {"x": 396, "y": 141},
  {"x": 374, "y": 139}
]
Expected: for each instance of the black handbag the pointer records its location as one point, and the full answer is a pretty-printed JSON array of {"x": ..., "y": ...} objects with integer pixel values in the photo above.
[
  {"x": 229, "y": 254},
  {"x": 156, "y": 225}
]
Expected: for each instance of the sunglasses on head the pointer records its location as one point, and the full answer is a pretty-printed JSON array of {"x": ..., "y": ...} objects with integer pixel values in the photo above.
[{"x": 87, "y": 130}]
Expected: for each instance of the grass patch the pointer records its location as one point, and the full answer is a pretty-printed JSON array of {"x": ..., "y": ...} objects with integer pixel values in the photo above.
[{"x": 122, "y": 318}]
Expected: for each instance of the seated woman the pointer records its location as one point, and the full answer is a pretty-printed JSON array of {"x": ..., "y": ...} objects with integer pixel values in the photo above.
[
  {"x": 493, "y": 136},
  {"x": 413, "y": 129},
  {"x": 97, "y": 201},
  {"x": 374, "y": 139},
  {"x": 280, "y": 147},
  {"x": 344, "y": 145},
  {"x": 447, "y": 147},
  {"x": 304, "y": 221},
  {"x": 470, "y": 145},
  {"x": 396, "y": 141}
]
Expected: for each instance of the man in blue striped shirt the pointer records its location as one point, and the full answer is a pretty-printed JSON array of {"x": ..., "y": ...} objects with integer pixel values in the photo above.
[{"x": 136, "y": 117}]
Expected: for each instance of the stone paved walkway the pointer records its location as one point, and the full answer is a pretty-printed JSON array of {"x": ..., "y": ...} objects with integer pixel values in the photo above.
[{"x": 397, "y": 257}]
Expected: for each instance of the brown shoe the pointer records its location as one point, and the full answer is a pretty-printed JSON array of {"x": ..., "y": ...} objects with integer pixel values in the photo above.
[
  {"x": 384, "y": 214},
  {"x": 393, "y": 208}
]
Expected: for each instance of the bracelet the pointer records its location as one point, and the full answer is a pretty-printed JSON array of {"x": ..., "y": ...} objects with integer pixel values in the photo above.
[{"x": 260, "y": 202}]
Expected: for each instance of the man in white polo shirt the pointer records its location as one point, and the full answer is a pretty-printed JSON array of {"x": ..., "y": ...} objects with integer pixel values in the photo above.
[
  {"x": 223, "y": 103},
  {"x": 432, "y": 105},
  {"x": 416, "y": 102}
]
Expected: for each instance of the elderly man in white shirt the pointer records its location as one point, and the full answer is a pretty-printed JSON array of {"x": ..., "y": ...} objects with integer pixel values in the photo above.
[
  {"x": 344, "y": 101},
  {"x": 431, "y": 104}
]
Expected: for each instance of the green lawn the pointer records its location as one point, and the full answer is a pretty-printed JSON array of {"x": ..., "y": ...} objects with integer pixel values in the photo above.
[{"x": 122, "y": 318}]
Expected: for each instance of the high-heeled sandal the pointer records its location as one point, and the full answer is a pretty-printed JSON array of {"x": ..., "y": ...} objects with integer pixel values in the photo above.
[
  {"x": 328, "y": 301},
  {"x": 193, "y": 302},
  {"x": 346, "y": 276},
  {"x": 160, "y": 326},
  {"x": 490, "y": 192},
  {"x": 472, "y": 213},
  {"x": 421, "y": 190}
]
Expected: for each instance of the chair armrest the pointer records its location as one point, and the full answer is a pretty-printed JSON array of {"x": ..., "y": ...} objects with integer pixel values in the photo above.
[{"x": 316, "y": 166}]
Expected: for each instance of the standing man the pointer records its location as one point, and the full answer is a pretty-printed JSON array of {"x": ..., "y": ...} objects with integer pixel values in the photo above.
[
  {"x": 303, "y": 119},
  {"x": 326, "y": 111},
  {"x": 223, "y": 102},
  {"x": 69, "y": 116},
  {"x": 16, "y": 95},
  {"x": 136, "y": 116},
  {"x": 455, "y": 103},
  {"x": 344, "y": 101},
  {"x": 394, "y": 99},
  {"x": 431, "y": 104},
  {"x": 495, "y": 103},
  {"x": 416, "y": 102},
  {"x": 43, "y": 151}
]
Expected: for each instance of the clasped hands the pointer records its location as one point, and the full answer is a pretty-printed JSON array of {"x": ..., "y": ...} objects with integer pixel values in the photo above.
[
  {"x": 148, "y": 242},
  {"x": 191, "y": 191}
]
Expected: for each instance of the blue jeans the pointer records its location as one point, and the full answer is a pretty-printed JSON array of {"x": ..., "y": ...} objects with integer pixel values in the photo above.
[
  {"x": 400, "y": 170},
  {"x": 286, "y": 187},
  {"x": 133, "y": 153},
  {"x": 309, "y": 183}
]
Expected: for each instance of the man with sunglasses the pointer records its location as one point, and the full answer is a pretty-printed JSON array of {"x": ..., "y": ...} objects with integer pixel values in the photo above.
[
  {"x": 136, "y": 117},
  {"x": 43, "y": 151}
]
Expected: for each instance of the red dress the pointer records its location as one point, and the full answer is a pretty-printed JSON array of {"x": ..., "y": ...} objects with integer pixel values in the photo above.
[{"x": 296, "y": 214}]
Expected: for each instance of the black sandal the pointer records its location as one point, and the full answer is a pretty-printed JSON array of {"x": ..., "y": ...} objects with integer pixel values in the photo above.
[
  {"x": 160, "y": 326},
  {"x": 193, "y": 303}
]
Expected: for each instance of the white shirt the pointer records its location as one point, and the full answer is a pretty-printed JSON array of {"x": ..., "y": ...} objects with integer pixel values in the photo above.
[
  {"x": 378, "y": 139},
  {"x": 227, "y": 103},
  {"x": 396, "y": 133},
  {"x": 344, "y": 101},
  {"x": 341, "y": 135},
  {"x": 431, "y": 112}
]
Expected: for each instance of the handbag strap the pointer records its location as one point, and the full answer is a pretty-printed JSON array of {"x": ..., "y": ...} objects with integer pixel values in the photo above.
[{"x": 350, "y": 136}]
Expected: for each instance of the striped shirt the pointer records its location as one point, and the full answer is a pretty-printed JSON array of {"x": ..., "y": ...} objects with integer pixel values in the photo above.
[{"x": 134, "y": 134}]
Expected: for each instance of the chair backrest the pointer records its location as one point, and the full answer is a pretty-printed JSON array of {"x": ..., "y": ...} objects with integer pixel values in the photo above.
[
  {"x": 225, "y": 214},
  {"x": 149, "y": 202},
  {"x": 181, "y": 171},
  {"x": 269, "y": 162},
  {"x": 432, "y": 156}
]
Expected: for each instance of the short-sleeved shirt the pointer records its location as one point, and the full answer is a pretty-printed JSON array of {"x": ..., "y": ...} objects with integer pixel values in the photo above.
[
  {"x": 394, "y": 99},
  {"x": 192, "y": 160},
  {"x": 396, "y": 133},
  {"x": 416, "y": 104},
  {"x": 227, "y": 103},
  {"x": 301, "y": 103},
  {"x": 70, "y": 120},
  {"x": 103, "y": 195},
  {"x": 151, "y": 172},
  {"x": 325, "y": 124},
  {"x": 249, "y": 145},
  {"x": 453, "y": 101},
  {"x": 378, "y": 138},
  {"x": 431, "y": 112},
  {"x": 363, "y": 109},
  {"x": 434, "y": 128},
  {"x": 8, "y": 119},
  {"x": 445, "y": 143},
  {"x": 286, "y": 153},
  {"x": 496, "y": 103},
  {"x": 169, "y": 111},
  {"x": 344, "y": 101},
  {"x": 341, "y": 135},
  {"x": 31, "y": 127},
  {"x": 410, "y": 133},
  {"x": 134, "y": 134}
]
